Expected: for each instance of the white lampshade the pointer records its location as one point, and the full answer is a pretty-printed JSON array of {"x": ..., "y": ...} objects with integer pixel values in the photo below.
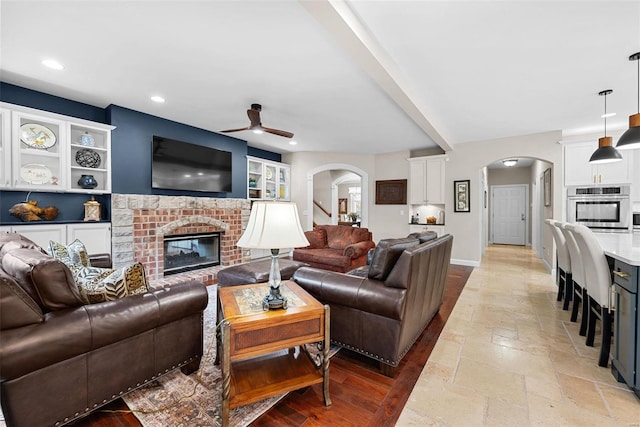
[{"x": 273, "y": 225}]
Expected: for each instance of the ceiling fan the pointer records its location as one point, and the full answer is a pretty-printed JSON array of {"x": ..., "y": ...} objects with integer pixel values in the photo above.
[{"x": 256, "y": 124}]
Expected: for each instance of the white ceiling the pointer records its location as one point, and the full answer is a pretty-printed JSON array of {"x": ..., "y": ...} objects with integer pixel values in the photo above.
[{"x": 357, "y": 76}]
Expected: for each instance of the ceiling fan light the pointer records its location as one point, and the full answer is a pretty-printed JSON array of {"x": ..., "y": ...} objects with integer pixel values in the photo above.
[
  {"x": 509, "y": 162},
  {"x": 630, "y": 139},
  {"x": 606, "y": 152},
  {"x": 257, "y": 131}
]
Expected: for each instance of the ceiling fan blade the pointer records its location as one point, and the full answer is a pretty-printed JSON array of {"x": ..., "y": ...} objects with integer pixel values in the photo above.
[
  {"x": 235, "y": 130},
  {"x": 278, "y": 132},
  {"x": 254, "y": 117}
]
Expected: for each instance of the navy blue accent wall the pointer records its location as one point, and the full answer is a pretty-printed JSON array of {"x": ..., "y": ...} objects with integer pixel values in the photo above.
[
  {"x": 131, "y": 145},
  {"x": 43, "y": 101},
  {"x": 70, "y": 206},
  {"x": 264, "y": 154},
  {"x": 131, "y": 154}
]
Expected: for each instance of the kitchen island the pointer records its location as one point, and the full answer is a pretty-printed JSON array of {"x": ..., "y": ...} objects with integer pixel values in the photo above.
[{"x": 623, "y": 253}]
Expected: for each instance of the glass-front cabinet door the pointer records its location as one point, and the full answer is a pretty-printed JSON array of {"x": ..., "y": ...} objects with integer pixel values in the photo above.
[
  {"x": 5, "y": 148},
  {"x": 38, "y": 145},
  {"x": 284, "y": 174},
  {"x": 271, "y": 176},
  {"x": 268, "y": 180},
  {"x": 254, "y": 190}
]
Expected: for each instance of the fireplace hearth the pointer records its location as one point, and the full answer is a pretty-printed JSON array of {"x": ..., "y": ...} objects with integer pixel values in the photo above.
[{"x": 186, "y": 252}]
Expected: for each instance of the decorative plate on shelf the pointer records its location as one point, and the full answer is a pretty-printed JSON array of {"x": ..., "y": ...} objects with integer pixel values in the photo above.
[
  {"x": 34, "y": 173},
  {"x": 37, "y": 136},
  {"x": 269, "y": 173},
  {"x": 88, "y": 158}
]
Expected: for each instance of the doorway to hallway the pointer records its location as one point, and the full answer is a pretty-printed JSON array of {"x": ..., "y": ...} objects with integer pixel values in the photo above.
[{"x": 509, "y": 214}]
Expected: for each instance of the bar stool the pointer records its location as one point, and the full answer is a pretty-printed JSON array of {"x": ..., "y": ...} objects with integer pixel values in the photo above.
[
  {"x": 580, "y": 295},
  {"x": 598, "y": 277},
  {"x": 563, "y": 269}
]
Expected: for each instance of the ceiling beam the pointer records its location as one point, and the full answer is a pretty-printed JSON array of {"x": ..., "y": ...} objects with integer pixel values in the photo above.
[{"x": 341, "y": 22}]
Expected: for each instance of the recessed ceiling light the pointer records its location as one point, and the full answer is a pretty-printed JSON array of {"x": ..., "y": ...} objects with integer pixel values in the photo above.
[
  {"x": 509, "y": 162},
  {"x": 157, "y": 99},
  {"x": 604, "y": 116},
  {"x": 53, "y": 64},
  {"x": 293, "y": 142}
]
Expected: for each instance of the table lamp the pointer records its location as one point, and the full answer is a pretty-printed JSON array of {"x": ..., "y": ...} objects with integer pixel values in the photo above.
[{"x": 273, "y": 226}]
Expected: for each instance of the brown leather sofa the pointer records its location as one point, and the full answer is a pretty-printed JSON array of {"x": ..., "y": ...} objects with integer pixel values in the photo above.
[
  {"x": 61, "y": 359},
  {"x": 381, "y": 315},
  {"x": 336, "y": 247}
]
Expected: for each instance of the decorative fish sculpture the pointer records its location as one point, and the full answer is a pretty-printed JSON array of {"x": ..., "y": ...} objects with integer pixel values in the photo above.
[{"x": 29, "y": 211}]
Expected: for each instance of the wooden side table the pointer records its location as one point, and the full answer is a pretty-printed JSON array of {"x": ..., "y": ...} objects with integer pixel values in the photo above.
[{"x": 264, "y": 352}]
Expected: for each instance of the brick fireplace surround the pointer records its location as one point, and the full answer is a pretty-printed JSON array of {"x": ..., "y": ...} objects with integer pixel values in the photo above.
[{"x": 140, "y": 222}]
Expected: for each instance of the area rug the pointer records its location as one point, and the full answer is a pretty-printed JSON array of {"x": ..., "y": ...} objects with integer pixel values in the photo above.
[{"x": 179, "y": 400}]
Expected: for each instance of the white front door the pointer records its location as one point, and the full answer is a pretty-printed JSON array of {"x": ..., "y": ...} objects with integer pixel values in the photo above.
[{"x": 509, "y": 214}]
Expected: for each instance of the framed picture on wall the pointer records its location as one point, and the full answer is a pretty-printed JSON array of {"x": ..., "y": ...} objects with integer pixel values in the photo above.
[
  {"x": 461, "y": 201},
  {"x": 391, "y": 192},
  {"x": 547, "y": 187},
  {"x": 342, "y": 206}
]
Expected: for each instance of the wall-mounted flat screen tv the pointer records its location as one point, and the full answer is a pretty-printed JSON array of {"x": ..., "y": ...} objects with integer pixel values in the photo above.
[{"x": 178, "y": 165}]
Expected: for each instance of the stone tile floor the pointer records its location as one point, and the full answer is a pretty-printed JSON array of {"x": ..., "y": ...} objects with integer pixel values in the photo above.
[{"x": 510, "y": 356}]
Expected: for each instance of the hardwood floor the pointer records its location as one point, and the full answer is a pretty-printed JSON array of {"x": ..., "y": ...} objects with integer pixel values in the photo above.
[{"x": 360, "y": 394}]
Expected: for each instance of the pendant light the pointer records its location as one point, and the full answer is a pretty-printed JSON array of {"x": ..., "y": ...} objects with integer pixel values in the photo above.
[
  {"x": 631, "y": 138},
  {"x": 606, "y": 152}
]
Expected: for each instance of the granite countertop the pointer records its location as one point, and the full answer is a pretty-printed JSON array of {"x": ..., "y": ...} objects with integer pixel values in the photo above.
[{"x": 621, "y": 246}]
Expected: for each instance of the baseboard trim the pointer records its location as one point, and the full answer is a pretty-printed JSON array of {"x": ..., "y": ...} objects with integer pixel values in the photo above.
[{"x": 465, "y": 262}]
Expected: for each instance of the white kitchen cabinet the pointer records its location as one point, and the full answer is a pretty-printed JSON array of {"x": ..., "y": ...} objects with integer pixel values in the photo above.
[
  {"x": 95, "y": 236},
  {"x": 426, "y": 180},
  {"x": 42, "y": 151},
  {"x": 578, "y": 170},
  {"x": 267, "y": 180}
]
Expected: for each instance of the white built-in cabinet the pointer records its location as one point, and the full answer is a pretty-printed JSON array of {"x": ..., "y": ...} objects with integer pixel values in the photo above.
[
  {"x": 426, "y": 180},
  {"x": 578, "y": 170},
  {"x": 5, "y": 147},
  {"x": 42, "y": 151},
  {"x": 267, "y": 180},
  {"x": 96, "y": 237}
]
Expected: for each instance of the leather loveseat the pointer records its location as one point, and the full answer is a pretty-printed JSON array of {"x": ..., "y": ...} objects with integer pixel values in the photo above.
[
  {"x": 381, "y": 315},
  {"x": 61, "y": 359},
  {"x": 336, "y": 247}
]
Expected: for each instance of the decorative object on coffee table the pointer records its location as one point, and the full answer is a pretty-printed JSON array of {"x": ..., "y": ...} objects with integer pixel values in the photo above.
[{"x": 274, "y": 226}]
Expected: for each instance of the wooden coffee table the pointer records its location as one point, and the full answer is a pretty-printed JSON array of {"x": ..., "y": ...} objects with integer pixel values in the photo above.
[{"x": 265, "y": 353}]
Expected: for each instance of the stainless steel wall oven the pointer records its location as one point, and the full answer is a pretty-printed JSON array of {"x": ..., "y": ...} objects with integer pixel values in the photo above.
[{"x": 600, "y": 208}]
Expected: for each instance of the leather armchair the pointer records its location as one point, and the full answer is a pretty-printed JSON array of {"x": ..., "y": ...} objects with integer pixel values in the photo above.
[
  {"x": 61, "y": 359},
  {"x": 381, "y": 315}
]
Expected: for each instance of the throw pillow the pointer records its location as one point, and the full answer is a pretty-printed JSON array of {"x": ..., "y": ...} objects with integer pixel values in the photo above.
[
  {"x": 386, "y": 255},
  {"x": 317, "y": 238},
  {"x": 106, "y": 284},
  {"x": 72, "y": 254}
]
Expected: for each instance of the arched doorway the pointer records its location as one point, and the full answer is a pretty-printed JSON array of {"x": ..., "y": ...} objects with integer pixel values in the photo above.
[
  {"x": 527, "y": 171},
  {"x": 345, "y": 167}
]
